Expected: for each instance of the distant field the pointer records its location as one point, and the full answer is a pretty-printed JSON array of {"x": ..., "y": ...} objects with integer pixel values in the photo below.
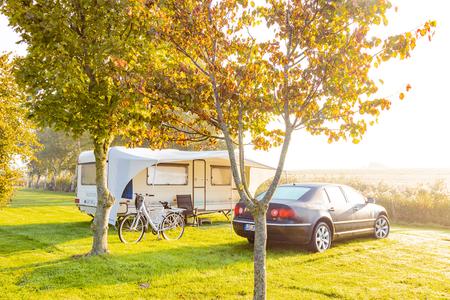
[
  {"x": 394, "y": 177},
  {"x": 41, "y": 232}
]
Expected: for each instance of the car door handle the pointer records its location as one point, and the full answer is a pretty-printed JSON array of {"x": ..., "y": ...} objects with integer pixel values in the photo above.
[
  {"x": 331, "y": 209},
  {"x": 355, "y": 208}
]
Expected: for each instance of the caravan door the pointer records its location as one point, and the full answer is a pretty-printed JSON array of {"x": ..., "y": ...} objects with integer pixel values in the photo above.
[{"x": 199, "y": 183}]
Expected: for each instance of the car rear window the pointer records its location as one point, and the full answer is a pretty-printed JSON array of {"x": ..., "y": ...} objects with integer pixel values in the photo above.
[{"x": 290, "y": 193}]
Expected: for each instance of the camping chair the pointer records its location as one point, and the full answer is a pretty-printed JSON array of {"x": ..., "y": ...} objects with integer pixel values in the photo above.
[{"x": 185, "y": 201}]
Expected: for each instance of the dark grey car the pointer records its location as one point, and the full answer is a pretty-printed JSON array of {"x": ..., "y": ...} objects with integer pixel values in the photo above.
[{"x": 315, "y": 214}]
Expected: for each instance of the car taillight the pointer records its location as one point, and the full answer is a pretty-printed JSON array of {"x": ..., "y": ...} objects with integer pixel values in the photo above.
[
  {"x": 286, "y": 213},
  {"x": 274, "y": 212},
  {"x": 238, "y": 210},
  {"x": 283, "y": 213},
  {"x": 77, "y": 201}
]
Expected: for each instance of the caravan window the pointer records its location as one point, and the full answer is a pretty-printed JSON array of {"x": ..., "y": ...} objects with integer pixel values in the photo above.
[
  {"x": 88, "y": 174},
  {"x": 220, "y": 175},
  {"x": 168, "y": 174}
]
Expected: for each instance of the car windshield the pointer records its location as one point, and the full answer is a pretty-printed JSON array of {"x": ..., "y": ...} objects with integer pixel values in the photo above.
[{"x": 290, "y": 193}]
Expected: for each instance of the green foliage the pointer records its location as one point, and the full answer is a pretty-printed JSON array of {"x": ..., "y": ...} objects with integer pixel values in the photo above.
[
  {"x": 57, "y": 157},
  {"x": 80, "y": 64},
  {"x": 82, "y": 69},
  {"x": 59, "y": 151},
  {"x": 17, "y": 138},
  {"x": 42, "y": 232}
]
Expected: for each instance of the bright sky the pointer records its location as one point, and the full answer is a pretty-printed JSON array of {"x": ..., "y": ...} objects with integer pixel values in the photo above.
[{"x": 413, "y": 134}]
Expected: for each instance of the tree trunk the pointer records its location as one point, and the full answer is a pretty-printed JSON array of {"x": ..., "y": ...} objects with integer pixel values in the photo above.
[
  {"x": 259, "y": 292},
  {"x": 46, "y": 179},
  {"x": 73, "y": 181},
  {"x": 29, "y": 180},
  {"x": 259, "y": 252},
  {"x": 53, "y": 187},
  {"x": 37, "y": 181},
  {"x": 104, "y": 200}
]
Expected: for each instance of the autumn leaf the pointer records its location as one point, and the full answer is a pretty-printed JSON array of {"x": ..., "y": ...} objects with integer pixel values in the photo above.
[
  {"x": 401, "y": 96},
  {"x": 408, "y": 87}
]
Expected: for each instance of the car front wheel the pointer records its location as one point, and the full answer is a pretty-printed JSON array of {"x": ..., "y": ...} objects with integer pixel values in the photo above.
[
  {"x": 321, "y": 238},
  {"x": 382, "y": 227}
]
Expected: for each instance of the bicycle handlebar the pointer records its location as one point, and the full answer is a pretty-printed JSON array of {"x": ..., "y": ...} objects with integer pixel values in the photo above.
[{"x": 140, "y": 199}]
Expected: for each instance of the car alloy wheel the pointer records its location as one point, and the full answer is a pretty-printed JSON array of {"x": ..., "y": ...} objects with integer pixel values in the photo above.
[
  {"x": 322, "y": 238},
  {"x": 381, "y": 227}
]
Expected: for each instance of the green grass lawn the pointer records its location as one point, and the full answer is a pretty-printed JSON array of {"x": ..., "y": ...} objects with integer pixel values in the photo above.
[{"x": 40, "y": 233}]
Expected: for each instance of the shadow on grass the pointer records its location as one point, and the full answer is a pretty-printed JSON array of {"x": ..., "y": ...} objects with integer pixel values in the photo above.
[
  {"x": 132, "y": 268},
  {"x": 146, "y": 266},
  {"x": 15, "y": 238},
  {"x": 141, "y": 266}
]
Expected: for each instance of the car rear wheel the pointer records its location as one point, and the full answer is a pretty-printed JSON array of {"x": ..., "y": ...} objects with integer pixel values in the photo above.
[
  {"x": 321, "y": 238},
  {"x": 382, "y": 227}
]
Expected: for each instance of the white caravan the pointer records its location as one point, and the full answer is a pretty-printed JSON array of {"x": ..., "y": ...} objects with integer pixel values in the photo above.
[{"x": 205, "y": 175}]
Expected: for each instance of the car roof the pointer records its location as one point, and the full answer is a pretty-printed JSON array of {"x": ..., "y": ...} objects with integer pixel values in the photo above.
[{"x": 312, "y": 184}]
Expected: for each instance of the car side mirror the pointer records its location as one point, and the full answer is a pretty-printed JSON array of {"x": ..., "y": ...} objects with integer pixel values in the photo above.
[{"x": 370, "y": 200}]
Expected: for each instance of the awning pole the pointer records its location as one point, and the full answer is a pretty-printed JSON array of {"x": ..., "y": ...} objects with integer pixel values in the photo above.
[{"x": 154, "y": 178}]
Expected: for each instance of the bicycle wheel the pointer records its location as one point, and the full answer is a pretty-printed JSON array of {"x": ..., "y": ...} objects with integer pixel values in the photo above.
[
  {"x": 131, "y": 229},
  {"x": 172, "y": 226}
]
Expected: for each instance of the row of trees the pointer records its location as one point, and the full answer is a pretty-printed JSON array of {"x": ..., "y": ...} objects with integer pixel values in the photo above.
[
  {"x": 194, "y": 70},
  {"x": 17, "y": 138},
  {"x": 54, "y": 164}
]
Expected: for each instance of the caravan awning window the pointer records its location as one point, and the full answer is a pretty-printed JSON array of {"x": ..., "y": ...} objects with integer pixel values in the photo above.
[
  {"x": 220, "y": 175},
  {"x": 168, "y": 174}
]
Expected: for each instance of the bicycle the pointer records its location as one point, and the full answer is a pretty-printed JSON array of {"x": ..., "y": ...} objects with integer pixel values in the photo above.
[{"x": 165, "y": 221}]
